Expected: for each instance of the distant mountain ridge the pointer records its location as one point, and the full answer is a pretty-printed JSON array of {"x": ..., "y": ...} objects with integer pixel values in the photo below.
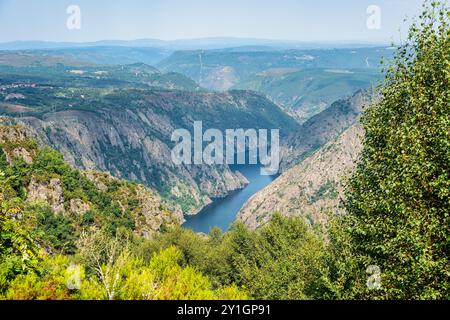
[
  {"x": 222, "y": 70},
  {"x": 182, "y": 44}
]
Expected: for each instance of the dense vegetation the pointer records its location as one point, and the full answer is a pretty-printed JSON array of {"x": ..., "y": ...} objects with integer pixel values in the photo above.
[
  {"x": 83, "y": 254},
  {"x": 399, "y": 198},
  {"x": 393, "y": 243},
  {"x": 41, "y": 88}
]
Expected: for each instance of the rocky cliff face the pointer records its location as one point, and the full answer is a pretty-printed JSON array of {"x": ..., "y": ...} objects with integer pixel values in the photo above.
[
  {"x": 148, "y": 211},
  {"x": 312, "y": 189},
  {"x": 132, "y": 140},
  {"x": 122, "y": 146},
  {"x": 47, "y": 191}
]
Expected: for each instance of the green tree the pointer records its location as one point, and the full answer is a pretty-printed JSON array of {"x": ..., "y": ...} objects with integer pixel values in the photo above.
[
  {"x": 399, "y": 196},
  {"x": 58, "y": 279},
  {"x": 282, "y": 260},
  {"x": 53, "y": 230},
  {"x": 18, "y": 250}
]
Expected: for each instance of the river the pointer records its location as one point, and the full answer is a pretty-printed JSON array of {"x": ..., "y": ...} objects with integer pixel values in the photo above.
[{"x": 222, "y": 212}]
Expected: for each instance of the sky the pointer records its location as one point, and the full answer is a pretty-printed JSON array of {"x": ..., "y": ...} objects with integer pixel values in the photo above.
[{"x": 299, "y": 20}]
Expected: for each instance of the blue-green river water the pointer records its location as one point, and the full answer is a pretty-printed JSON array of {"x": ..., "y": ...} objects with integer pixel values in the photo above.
[{"x": 222, "y": 212}]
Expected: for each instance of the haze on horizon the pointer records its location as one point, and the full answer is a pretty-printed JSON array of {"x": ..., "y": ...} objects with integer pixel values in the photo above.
[{"x": 293, "y": 20}]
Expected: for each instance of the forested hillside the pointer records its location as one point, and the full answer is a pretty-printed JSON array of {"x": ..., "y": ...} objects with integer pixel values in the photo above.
[
  {"x": 364, "y": 203},
  {"x": 67, "y": 234},
  {"x": 306, "y": 92}
]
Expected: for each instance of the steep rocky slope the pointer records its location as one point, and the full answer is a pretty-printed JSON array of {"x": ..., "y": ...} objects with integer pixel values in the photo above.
[
  {"x": 324, "y": 127},
  {"x": 312, "y": 189},
  {"x": 128, "y": 134},
  {"x": 316, "y": 159},
  {"x": 40, "y": 178}
]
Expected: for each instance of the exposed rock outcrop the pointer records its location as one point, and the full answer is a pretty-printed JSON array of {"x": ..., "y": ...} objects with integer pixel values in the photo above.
[
  {"x": 79, "y": 207},
  {"x": 10, "y": 132},
  {"x": 49, "y": 192},
  {"x": 13, "y": 137},
  {"x": 152, "y": 214},
  {"x": 20, "y": 153},
  {"x": 148, "y": 212}
]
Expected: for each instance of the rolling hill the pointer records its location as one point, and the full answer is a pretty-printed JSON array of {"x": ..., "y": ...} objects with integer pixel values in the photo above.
[
  {"x": 223, "y": 69},
  {"x": 305, "y": 93}
]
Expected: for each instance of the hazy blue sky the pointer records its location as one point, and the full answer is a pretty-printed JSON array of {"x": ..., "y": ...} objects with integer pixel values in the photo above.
[{"x": 305, "y": 20}]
